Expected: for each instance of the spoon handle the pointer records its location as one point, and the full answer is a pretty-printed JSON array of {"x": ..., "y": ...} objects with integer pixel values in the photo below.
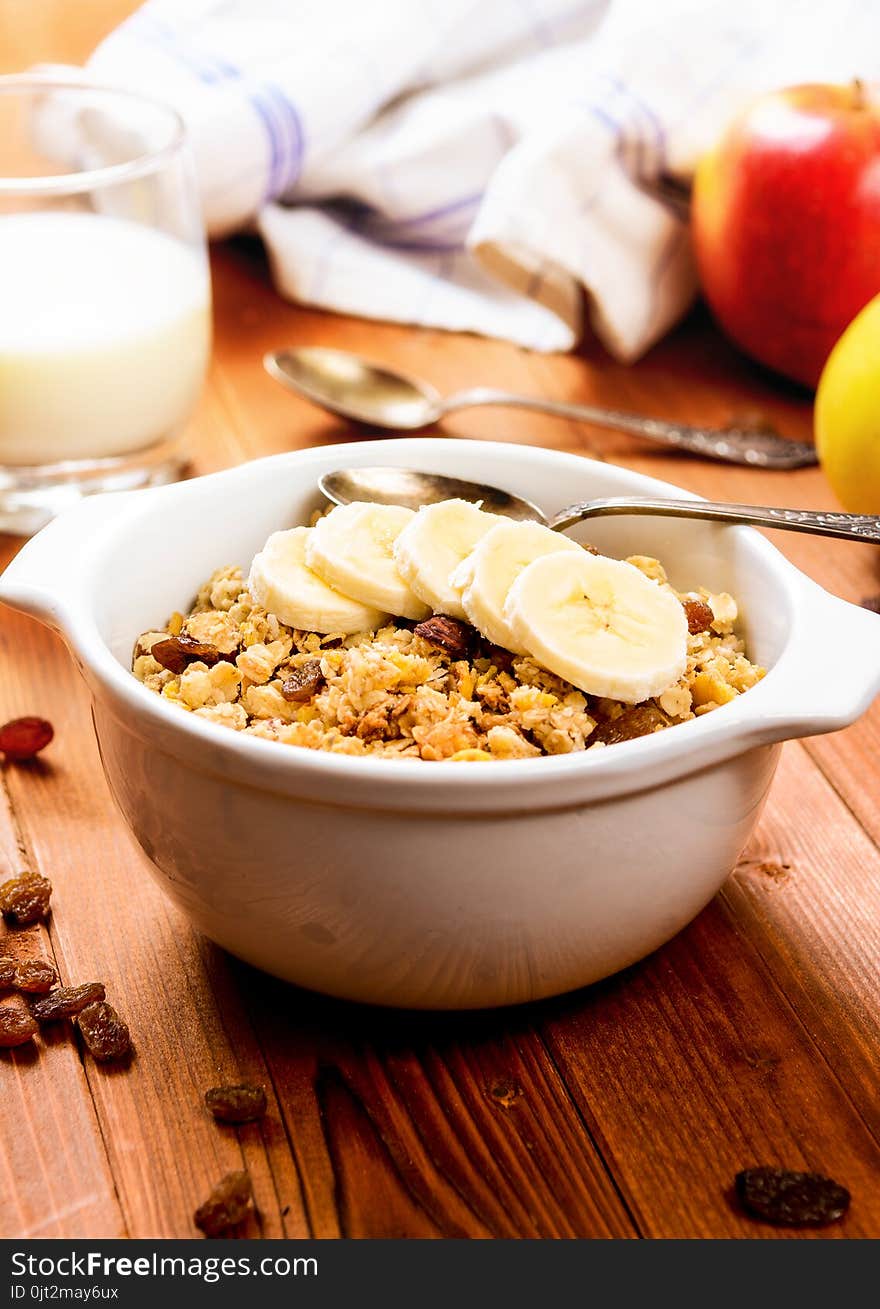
[
  {"x": 757, "y": 449},
  {"x": 847, "y": 527}
]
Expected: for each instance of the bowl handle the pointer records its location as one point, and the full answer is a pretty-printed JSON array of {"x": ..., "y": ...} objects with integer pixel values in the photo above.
[
  {"x": 833, "y": 675},
  {"x": 45, "y": 577}
]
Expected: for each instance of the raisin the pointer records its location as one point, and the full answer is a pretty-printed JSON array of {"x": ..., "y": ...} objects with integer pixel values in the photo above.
[
  {"x": 22, "y": 738},
  {"x": 871, "y": 602},
  {"x": 226, "y": 1206},
  {"x": 236, "y": 1104},
  {"x": 640, "y": 720},
  {"x": 7, "y": 971},
  {"x": 501, "y": 658},
  {"x": 303, "y": 682},
  {"x": 105, "y": 1034},
  {"x": 66, "y": 1002},
  {"x": 699, "y": 616},
  {"x": 448, "y": 633},
  {"x": 16, "y": 1026},
  {"x": 35, "y": 975},
  {"x": 791, "y": 1199},
  {"x": 175, "y": 652},
  {"x": 25, "y": 899}
]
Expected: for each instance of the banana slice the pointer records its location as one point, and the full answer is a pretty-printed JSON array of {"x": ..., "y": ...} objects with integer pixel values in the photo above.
[
  {"x": 600, "y": 624},
  {"x": 432, "y": 546},
  {"x": 352, "y": 549},
  {"x": 489, "y": 571},
  {"x": 281, "y": 581}
]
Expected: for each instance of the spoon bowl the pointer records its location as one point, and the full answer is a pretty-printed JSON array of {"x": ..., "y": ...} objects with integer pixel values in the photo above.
[
  {"x": 411, "y": 488},
  {"x": 353, "y": 387}
]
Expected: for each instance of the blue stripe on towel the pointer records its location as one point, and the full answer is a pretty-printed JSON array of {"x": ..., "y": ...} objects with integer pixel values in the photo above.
[
  {"x": 650, "y": 162},
  {"x": 265, "y": 112},
  {"x": 294, "y": 143},
  {"x": 441, "y": 211},
  {"x": 278, "y": 114},
  {"x": 606, "y": 119}
]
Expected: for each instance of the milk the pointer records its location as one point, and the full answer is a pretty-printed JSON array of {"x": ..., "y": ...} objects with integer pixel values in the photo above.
[{"x": 104, "y": 335}]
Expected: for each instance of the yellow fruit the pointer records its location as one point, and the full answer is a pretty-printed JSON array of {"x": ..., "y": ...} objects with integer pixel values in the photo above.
[{"x": 847, "y": 414}]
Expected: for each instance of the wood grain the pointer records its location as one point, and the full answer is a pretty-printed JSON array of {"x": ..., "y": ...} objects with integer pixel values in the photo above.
[
  {"x": 807, "y": 893},
  {"x": 764, "y": 1015},
  {"x": 56, "y": 1177},
  {"x": 459, "y": 1123},
  {"x": 621, "y": 1111}
]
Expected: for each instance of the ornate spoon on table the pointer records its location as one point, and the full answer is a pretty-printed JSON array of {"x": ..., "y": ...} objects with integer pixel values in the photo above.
[
  {"x": 407, "y": 486},
  {"x": 351, "y": 386}
]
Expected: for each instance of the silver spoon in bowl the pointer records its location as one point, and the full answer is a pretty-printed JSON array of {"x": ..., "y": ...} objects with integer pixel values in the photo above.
[
  {"x": 351, "y": 386},
  {"x": 409, "y": 487}
]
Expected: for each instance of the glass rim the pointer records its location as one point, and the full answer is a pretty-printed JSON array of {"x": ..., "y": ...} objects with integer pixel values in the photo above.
[{"x": 92, "y": 178}]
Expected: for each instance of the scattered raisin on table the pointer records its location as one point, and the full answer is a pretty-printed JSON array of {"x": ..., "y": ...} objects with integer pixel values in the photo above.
[
  {"x": 25, "y": 899},
  {"x": 226, "y": 1206},
  {"x": 791, "y": 1199},
  {"x": 16, "y": 1026},
  {"x": 699, "y": 616},
  {"x": 448, "y": 633},
  {"x": 66, "y": 1002},
  {"x": 105, "y": 1034},
  {"x": 236, "y": 1104},
  {"x": 7, "y": 971},
  {"x": 303, "y": 682},
  {"x": 175, "y": 652},
  {"x": 36, "y": 975},
  {"x": 22, "y": 738}
]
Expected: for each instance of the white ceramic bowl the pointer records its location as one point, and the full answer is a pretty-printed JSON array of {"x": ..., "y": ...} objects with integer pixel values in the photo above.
[{"x": 418, "y": 884}]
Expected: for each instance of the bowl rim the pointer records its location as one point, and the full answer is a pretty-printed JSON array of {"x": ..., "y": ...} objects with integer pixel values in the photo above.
[{"x": 758, "y": 718}]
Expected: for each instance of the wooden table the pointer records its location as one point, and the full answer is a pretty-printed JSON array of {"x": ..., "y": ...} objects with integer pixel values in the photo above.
[{"x": 623, "y": 1110}]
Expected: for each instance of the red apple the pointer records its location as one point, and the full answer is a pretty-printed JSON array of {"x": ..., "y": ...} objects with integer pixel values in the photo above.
[{"x": 786, "y": 223}]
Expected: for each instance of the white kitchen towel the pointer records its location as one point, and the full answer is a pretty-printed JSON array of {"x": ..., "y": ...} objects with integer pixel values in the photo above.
[{"x": 474, "y": 164}]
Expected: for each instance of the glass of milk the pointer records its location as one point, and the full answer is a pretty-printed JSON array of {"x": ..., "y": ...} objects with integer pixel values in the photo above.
[{"x": 105, "y": 294}]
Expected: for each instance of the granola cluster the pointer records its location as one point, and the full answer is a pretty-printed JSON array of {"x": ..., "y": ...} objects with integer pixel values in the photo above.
[{"x": 434, "y": 691}]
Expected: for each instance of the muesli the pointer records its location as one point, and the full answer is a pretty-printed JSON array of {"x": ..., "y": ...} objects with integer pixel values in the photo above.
[{"x": 433, "y": 688}]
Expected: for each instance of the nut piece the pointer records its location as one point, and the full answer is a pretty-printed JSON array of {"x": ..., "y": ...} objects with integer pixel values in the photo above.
[
  {"x": 22, "y": 738},
  {"x": 36, "y": 975},
  {"x": 175, "y": 652},
  {"x": 236, "y": 1104},
  {"x": 226, "y": 1206},
  {"x": 699, "y": 616},
  {"x": 16, "y": 1026},
  {"x": 25, "y": 899},
  {"x": 303, "y": 682},
  {"x": 455, "y": 637},
  {"x": 791, "y": 1199},
  {"x": 66, "y": 1002},
  {"x": 105, "y": 1034}
]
